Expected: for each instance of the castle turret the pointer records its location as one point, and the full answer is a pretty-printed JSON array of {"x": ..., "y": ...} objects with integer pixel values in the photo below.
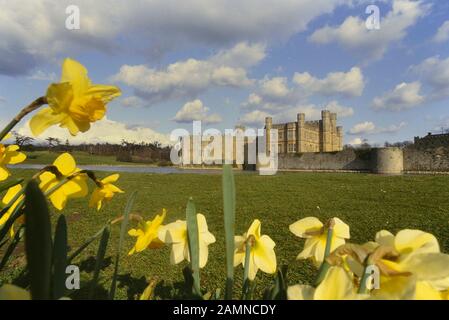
[
  {"x": 268, "y": 125},
  {"x": 340, "y": 138},
  {"x": 334, "y": 138},
  {"x": 326, "y": 132},
  {"x": 300, "y": 132}
]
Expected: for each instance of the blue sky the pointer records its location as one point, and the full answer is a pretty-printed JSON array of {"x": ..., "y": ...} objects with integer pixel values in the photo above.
[{"x": 235, "y": 62}]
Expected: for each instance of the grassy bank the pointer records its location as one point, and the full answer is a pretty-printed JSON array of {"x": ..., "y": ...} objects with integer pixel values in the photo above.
[{"x": 368, "y": 203}]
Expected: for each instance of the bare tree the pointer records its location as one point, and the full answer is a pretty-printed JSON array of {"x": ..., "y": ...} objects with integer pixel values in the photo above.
[
  {"x": 22, "y": 140},
  {"x": 52, "y": 142}
]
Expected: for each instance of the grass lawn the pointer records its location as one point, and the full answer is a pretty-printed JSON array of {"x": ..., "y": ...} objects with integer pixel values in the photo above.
[
  {"x": 368, "y": 203},
  {"x": 82, "y": 158}
]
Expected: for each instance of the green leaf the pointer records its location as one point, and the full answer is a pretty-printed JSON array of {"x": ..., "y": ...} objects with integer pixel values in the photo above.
[
  {"x": 194, "y": 246},
  {"x": 60, "y": 258},
  {"x": 38, "y": 244},
  {"x": 99, "y": 260},
  {"x": 229, "y": 224},
  {"x": 17, "y": 237},
  {"x": 11, "y": 183},
  {"x": 279, "y": 289},
  {"x": 123, "y": 228}
]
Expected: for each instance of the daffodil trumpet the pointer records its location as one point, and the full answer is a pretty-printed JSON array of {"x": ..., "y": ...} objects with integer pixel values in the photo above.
[{"x": 36, "y": 104}]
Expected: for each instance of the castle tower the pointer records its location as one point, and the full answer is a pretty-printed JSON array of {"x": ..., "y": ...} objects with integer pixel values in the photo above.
[
  {"x": 340, "y": 138},
  {"x": 300, "y": 132},
  {"x": 268, "y": 125},
  {"x": 326, "y": 133},
  {"x": 334, "y": 138}
]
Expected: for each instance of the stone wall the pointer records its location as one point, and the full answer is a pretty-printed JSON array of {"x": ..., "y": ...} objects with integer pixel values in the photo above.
[
  {"x": 348, "y": 159},
  {"x": 381, "y": 160},
  {"x": 432, "y": 159}
]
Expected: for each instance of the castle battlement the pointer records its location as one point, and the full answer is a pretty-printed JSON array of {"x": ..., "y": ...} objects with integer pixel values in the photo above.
[{"x": 308, "y": 136}]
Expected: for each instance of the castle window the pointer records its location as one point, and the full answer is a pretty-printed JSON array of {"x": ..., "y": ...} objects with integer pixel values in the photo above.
[
  {"x": 291, "y": 135},
  {"x": 280, "y": 148},
  {"x": 292, "y": 147}
]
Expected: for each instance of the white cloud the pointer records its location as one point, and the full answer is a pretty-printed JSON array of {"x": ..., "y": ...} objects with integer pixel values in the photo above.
[
  {"x": 403, "y": 96},
  {"x": 363, "y": 127},
  {"x": 311, "y": 111},
  {"x": 349, "y": 83},
  {"x": 356, "y": 141},
  {"x": 442, "y": 34},
  {"x": 189, "y": 78},
  {"x": 254, "y": 118},
  {"x": 369, "y": 127},
  {"x": 132, "y": 102},
  {"x": 103, "y": 131},
  {"x": 274, "y": 88},
  {"x": 33, "y": 31},
  {"x": 40, "y": 75},
  {"x": 340, "y": 110},
  {"x": 435, "y": 73},
  {"x": 276, "y": 94},
  {"x": 352, "y": 34},
  {"x": 196, "y": 111}
]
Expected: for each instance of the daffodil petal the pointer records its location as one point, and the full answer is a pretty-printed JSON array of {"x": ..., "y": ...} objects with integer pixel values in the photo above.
[
  {"x": 300, "y": 292},
  {"x": 301, "y": 227},
  {"x": 336, "y": 285},
  {"x": 341, "y": 229},
  {"x": 407, "y": 241},
  {"x": 385, "y": 238},
  {"x": 264, "y": 255},
  {"x": 76, "y": 74},
  {"x": 65, "y": 164}
]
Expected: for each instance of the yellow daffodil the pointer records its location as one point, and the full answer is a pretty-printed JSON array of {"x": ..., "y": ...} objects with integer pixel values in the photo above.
[
  {"x": 75, "y": 102},
  {"x": 336, "y": 285},
  {"x": 315, "y": 233},
  {"x": 9, "y": 155},
  {"x": 411, "y": 265},
  {"x": 9, "y": 196},
  {"x": 105, "y": 192},
  {"x": 262, "y": 255},
  {"x": 147, "y": 234},
  {"x": 75, "y": 187},
  {"x": 175, "y": 233},
  {"x": 148, "y": 292},
  {"x": 12, "y": 292}
]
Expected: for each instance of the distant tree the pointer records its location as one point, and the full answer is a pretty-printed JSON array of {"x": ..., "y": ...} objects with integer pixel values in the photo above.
[
  {"x": 52, "y": 142},
  {"x": 22, "y": 140},
  {"x": 365, "y": 144}
]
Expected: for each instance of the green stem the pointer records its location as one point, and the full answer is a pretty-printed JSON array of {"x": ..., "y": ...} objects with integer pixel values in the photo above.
[
  {"x": 325, "y": 265},
  {"x": 246, "y": 281},
  {"x": 30, "y": 108},
  {"x": 363, "y": 289}
]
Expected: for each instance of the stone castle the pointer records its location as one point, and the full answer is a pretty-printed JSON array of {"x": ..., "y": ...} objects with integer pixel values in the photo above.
[
  {"x": 432, "y": 140},
  {"x": 308, "y": 136}
]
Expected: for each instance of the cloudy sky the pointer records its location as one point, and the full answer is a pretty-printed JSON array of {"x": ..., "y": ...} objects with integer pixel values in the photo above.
[{"x": 229, "y": 62}]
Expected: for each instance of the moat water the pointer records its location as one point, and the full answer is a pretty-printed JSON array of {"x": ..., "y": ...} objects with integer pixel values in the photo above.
[{"x": 132, "y": 169}]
